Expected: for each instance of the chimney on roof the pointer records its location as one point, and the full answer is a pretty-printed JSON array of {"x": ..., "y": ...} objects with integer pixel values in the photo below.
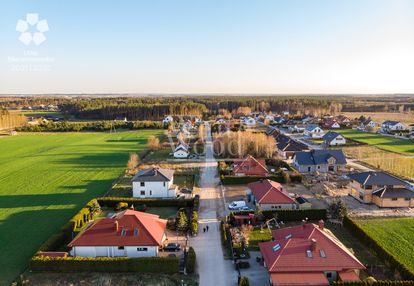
[
  {"x": 321, "y": 224},
  {"x": 116, "y": 225},
  {"x": 313, "y": 244}
]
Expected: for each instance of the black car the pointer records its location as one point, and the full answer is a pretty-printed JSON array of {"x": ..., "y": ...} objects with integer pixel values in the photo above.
[
  {"x": 186, "y": 191},
  {"x": 172, "y": 247}
]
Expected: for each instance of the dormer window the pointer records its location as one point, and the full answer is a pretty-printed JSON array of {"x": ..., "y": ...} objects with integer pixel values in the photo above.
[{"x": 136, "y": 231}]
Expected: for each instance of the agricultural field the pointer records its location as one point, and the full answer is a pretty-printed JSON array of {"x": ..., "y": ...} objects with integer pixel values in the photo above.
[
  {"x": 394, "y": 235},
  {"x": 46, "y": 178},
  {"x": 397, "y": 164},
  {"x": 387, "y": 143},
  {"x": 406, "y": 118}
]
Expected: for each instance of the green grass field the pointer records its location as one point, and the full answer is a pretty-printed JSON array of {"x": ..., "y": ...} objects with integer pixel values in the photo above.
[
  {"x": 395, "y": 235},
  {"x": 46, "y": 178},
  {"x": 388, "y": 143}
]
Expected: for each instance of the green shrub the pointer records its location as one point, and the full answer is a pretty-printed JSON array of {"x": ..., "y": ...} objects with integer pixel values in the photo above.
[
  {"x": 121, "y": 206},
  {"x": 191, "y": 260},
  {"x": 105, "y": 264},
  {"x": 182, "y": 220},
  {"x": 194, "y": 223},
  {"x": 244, "y": 281}
]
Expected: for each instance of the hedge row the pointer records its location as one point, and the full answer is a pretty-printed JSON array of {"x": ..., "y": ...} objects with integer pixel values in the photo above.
[
  {"x": 106, "y": 264},
  {"x": 66, "y": 126},
  {"x": 236, "y": 180},
  {"x": 375, "y": 283},
  {"x": 371, "y": 243},
  {"x": 111, "y": 202},
  {"x": 191, "y": 261},
  {"x": 64, "y": 236},
  {"x": 289, "y": 215}
]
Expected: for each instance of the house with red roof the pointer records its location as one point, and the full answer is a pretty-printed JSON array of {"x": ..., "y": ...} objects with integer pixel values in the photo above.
[
  {"x": 250, "y": 166},
  {"x": 308, "y": 254},
  {"x": 269, "y": 195},
  {"x": 129, "y": 233}
]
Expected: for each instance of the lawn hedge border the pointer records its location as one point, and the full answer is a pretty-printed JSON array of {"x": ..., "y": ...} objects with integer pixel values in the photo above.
[
  {"x": 383, "y": 254},
  {"x": 149, "y": 202},
  {"x": 105, "y": 264},
  {"x": 289, "y": 215}
]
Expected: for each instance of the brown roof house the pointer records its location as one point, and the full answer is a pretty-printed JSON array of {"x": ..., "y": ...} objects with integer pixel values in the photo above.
[{"x": 250, "y": 166}]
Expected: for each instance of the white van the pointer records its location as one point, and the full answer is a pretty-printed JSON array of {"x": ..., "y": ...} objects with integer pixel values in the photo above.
[{"x": 236, "y": 205}]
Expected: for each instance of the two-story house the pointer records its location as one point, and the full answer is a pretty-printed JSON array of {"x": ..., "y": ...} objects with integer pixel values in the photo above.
[
  {"x": 390, "y": 126},
  {"x": 154, "y": 183},
  {"x": 382, "y": 189},
  {"x": 333, "y": 139},
  {"x": 314, "y": 131}
]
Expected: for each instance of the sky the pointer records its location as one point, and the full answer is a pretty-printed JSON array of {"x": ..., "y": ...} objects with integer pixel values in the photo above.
[{"x": 209, "y": 46}]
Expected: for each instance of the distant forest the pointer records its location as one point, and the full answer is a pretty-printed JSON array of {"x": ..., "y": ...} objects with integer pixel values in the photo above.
[{"x": 156, "y": 108}]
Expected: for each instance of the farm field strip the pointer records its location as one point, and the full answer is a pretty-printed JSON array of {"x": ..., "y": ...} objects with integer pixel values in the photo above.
[
  {"x": 45, "y": 178},
  {"x": 395, "y": 235},
  {"x": 388, "y": 143}
]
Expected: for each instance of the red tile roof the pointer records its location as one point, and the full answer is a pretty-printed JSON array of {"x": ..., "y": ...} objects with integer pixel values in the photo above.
[
  {"x": 294, "y": 242},
  {"x": 348, "y": 276},
  {"x": 251, "y": 166},
  {"x": 127, "y": 228},
  {"x": 287, "y": 279},
  {"x": 270, "y": 192}
]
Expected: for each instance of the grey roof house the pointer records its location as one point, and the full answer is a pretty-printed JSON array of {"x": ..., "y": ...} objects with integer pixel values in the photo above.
[
  {"x": 322, "y": 161},
  {"x": 382, "y": 189}
]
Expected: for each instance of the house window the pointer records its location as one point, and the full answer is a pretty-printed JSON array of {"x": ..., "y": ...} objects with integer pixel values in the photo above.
[
  {"x": 123, "y": 232},
  {"x": 319, "y": 167},
  {"x": 142, "y": 249},
  {"x": 120, "y": 248},
  {"x": 164, "y": 184},
  {"x": 142, "y": 184},
  {"x": 394, "y": 199},
  {"x": 136, "y": 231},
  {"x": 406, "y": 199},
  {"x": 361, "y": 197},
  {"x": 329, "y": 275},
  {"x": 142, "y": 193},
  {"x": 150, "y": 193}
]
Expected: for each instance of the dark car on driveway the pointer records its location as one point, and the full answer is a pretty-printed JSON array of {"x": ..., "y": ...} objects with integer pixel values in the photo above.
[
  {"x": 186, "y": 191},
  {"x": 172, "y": 247}
]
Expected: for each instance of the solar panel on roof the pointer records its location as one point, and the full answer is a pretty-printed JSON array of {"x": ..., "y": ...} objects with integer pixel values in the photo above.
[
  {"x": 322, "y": 253},
  {"x": 309, "y": 254},
  {"x": 288, "y": 236}
]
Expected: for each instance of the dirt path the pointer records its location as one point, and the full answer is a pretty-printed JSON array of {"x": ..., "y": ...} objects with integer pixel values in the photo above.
[{"x": 212, "y": 267}]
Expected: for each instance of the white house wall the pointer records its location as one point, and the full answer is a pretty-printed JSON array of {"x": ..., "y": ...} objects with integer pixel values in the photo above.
[
  {"x": 153, "y": 190},
  {"x": 114, "y": 251}
]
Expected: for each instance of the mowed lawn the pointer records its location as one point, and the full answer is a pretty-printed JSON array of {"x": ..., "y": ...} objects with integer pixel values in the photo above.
[
  {"x": 46, "y": 178},
  {"x": 388, "y": 143},
  {"x": 395, "y": 235}
]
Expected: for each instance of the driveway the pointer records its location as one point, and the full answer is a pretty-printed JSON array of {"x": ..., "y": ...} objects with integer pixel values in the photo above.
[{"x": 212, "y": 267}]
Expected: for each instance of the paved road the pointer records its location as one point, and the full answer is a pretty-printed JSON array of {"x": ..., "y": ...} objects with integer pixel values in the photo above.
[{"x": 213, "y": 269}]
